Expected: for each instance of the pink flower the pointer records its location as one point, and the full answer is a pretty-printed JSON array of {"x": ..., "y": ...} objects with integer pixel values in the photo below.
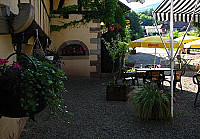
[
  {"x": 179, "y": 96},
  {"x": 119, "y": 81},
  {"x": 159, "y": 66},
  {"x": 174, "y": 98},
  {"x": 3, "y": 61},
  {"x": 178, "y": 105},
  {"x": 179, "y": 85},
  {"x": 129, "y": 95},
  {"x": 132, "y": 87},
  {"x": 161, "y": 91},
  {"x": 16, "y": 65},
  {"x": 103, "y": 84}
]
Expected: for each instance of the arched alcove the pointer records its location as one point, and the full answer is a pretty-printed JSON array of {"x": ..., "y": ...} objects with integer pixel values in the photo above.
[{"x": 73, "y": 48}]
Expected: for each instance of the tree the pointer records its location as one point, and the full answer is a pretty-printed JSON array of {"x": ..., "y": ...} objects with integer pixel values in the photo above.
[
  {"x": 146, "y": 17},
  {"x": 197, "y": 26},
  {"x": 136, "y": 30}
]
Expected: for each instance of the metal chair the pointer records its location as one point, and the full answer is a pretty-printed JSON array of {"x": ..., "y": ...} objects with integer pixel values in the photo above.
[
  {"x": 154, "y": 76},
  {"x": 196, "y": 80},
  {"x": 177, "y": 78},
  {"x": 129, "y": 76}
]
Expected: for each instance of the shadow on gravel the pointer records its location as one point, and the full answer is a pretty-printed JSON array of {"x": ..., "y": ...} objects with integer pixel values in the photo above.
[{"x": 94, "y": 117}]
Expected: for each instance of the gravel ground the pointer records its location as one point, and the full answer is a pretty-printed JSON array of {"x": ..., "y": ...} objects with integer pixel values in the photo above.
[{"x": 94, "y": 117}]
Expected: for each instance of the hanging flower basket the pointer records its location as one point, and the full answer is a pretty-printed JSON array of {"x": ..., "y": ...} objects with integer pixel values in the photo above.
[
  {"x": 13, "y": 91},
  {"x": 27, "y": 88}
]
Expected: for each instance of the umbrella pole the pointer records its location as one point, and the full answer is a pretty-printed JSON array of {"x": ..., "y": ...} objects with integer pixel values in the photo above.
[
  {"x": 155, "y": 59},
  {"x": 172, "y": 59}
]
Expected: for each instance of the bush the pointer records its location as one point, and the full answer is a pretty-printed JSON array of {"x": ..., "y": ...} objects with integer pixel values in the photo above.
[{"x": 152, "y": 102}]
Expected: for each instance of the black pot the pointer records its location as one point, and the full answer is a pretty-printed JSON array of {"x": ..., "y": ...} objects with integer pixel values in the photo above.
[
  {"x": 10, "y": 105},
  {"x": 117, "y": 93}
]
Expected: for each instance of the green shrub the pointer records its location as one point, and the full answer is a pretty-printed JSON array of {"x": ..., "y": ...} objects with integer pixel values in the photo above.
[{"x": 152, "y": 102}]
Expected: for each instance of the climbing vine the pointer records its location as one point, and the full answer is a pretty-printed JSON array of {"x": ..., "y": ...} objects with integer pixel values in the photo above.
[{"x": 106, "y": 10}]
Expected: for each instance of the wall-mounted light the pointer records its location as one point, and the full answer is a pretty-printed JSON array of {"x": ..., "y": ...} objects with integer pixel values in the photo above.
[
  {"x": 102, "y": 24},
  {"x": 127, "y": 21}
]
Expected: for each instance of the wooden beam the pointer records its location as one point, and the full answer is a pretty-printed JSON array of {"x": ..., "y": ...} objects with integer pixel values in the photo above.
[
  {"x": 51, "y": 5},
  {"x": 79, "y": 6},
  {"x": 61, "y": 3},
  {"x": 45, "y": 8}
]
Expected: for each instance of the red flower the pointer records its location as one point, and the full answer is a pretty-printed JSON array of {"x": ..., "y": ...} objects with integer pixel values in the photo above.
[
  {"x": 3, "y": 61},
  {"x": 111, "y": 28}
]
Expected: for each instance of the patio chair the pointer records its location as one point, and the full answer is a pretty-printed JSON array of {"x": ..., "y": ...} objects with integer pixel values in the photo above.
[
  {"x": 177, "y": 78},
  {"x": 129, "y": 76},
  {"x": 196, "y": 80},
  {"x": 154, "y": 76},
  {"x": 179, "y": 61}
]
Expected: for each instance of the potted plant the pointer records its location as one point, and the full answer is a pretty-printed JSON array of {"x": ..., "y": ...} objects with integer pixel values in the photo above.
[
  {"x": 152, "y": 102},
  {"x": 117, "y": 90},
  {"x": 129, "y": 63},
  {"x": 27, "y": 87}
]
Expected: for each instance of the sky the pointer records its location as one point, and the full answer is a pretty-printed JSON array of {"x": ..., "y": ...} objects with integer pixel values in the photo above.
[{"x": 136, "y": 5}]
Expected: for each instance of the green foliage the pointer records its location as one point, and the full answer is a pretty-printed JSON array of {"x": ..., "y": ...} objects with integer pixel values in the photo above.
[
  {"x": 136, "y": 30},
  {"x": 152, "y": 102},
  {"x": 106, "y": 10},
  {"x": 36, "y": 88},
  {"x": 117, "y": 48},
  {"x": 146, "y": 17},
  {"x": 197, "y": 26},
  {"x": 177, "y": 34},
  {"x": 130, "y": 63},
  {"x": 147, "y": 12}
]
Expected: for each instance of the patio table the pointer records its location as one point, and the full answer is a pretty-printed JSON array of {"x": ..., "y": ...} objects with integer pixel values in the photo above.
[
  {"x": 152, "y": 69},
  {"x": 144, "y": 70}
]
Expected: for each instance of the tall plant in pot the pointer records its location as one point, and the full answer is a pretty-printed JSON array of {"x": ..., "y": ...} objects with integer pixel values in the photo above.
[{"x": 117, "y": 89}]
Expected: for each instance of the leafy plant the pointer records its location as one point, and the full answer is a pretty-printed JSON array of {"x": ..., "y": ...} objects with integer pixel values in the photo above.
[
  {"x": 32, "y": 86},
  {"x": 106, "y": 10},
  {"x": 117, "y": 49},
  {"x": 152, "y": 102},
  {"x": 129, "y": 63}
]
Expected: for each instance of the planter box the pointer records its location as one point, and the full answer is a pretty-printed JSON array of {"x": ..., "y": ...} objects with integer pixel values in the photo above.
[{"x": 117, "y": 93}]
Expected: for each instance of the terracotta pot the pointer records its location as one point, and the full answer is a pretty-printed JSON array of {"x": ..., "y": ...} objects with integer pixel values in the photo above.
[{"x": 117, "y": 93}]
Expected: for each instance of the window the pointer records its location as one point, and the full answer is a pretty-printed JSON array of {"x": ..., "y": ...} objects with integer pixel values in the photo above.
[{"x": 73, "y": 50}]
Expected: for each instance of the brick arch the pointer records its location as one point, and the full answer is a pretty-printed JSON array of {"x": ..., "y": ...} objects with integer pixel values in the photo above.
[{"x": 70, "y": 42}]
